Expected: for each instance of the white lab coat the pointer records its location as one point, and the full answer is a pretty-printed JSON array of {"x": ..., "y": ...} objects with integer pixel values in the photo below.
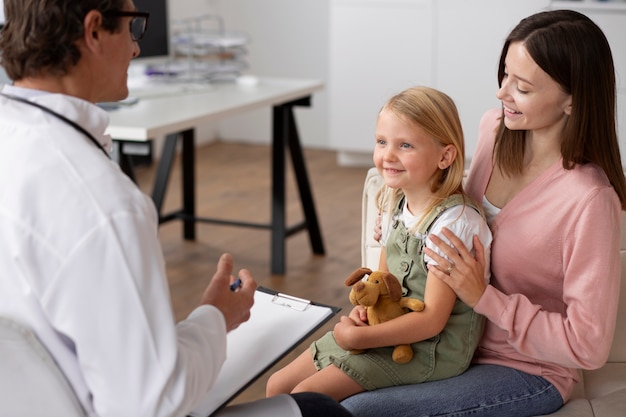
[{"x": 81, "y": 264}]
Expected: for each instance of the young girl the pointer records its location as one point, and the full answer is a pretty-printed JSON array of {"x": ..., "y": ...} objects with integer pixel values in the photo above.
[{"x": 419, "y": 153}]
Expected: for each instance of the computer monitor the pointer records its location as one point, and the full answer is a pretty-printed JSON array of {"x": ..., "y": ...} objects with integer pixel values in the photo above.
[{"x": 155, "y": 45}]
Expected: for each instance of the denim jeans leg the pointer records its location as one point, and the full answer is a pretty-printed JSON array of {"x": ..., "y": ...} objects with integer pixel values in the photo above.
[{"x": 482, "y": 391}]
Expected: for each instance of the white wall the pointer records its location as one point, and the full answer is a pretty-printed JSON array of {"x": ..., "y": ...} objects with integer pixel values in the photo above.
[
  {"x": 288, "y": 39},
  {"x": 469, "y": 42}
]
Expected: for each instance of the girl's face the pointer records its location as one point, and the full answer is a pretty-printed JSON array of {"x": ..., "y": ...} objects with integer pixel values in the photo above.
[
  {"x": 405, "y": 156},
  {"x": 531, "y": 99}
]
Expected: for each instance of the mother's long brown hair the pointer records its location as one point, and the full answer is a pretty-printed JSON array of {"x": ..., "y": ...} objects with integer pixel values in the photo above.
[{"x": 573, "y": 50}]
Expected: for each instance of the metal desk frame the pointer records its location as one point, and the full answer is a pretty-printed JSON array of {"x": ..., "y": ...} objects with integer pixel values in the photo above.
[{"x": 284, "y": 138}]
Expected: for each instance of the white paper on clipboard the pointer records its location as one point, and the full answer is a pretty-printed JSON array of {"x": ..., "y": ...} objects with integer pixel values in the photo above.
[{"x": 278, "y": 324}]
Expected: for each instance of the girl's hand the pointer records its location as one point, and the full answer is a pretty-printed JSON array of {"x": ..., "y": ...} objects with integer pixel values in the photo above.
[
  {"x": 345, "y": 331},
  {"x": 359, "y": 316},
  {"x": 466, "y": 273},
  {"x": 345, "y": 334}
]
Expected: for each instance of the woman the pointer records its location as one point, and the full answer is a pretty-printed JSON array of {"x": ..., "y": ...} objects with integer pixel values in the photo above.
[{"x": 548, "y": 171}]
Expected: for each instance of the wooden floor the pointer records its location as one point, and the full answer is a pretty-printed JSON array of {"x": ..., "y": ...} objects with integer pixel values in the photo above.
[{"x": 233, "y": 182}]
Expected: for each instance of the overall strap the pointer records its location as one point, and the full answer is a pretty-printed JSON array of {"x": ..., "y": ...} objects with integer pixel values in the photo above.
[{"x": 451, "y": 201}]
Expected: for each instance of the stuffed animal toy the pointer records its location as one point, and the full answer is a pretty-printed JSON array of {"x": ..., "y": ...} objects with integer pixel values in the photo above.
[{"x": 381, "y": 294}]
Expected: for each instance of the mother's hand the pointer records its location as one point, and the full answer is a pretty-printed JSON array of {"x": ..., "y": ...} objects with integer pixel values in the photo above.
[{"x": 466, "y": 274}]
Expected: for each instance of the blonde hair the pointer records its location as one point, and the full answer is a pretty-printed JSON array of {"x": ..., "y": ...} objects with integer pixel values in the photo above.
[{"x": 436, "y": 113}]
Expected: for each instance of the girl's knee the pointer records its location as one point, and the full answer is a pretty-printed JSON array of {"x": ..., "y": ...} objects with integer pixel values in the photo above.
[{"x": 275, "y": 385}]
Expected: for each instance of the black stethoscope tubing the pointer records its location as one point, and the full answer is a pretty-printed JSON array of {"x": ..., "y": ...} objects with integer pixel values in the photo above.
[{"x": 60, "y": 117}]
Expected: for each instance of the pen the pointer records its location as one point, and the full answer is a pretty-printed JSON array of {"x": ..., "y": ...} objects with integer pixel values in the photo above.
[
  {"x": 235, "y": 285},
  {"x": 156, "y": 72}
]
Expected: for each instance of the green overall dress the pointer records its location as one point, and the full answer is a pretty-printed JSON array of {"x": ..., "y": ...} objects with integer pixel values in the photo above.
[{"x": 445, "y": 355}]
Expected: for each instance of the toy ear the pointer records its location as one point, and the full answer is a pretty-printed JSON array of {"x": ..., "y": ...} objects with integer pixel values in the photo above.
[
  {"x": 357, "y": 276},
  {"x": 393, "y": 286}
]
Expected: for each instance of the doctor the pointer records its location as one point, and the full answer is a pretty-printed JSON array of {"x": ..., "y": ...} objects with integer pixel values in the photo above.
[{"x": 80, "y": 261}]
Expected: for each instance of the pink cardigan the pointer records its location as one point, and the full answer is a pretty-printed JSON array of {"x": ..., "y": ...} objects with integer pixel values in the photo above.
[{"x": 555, "y": 264}]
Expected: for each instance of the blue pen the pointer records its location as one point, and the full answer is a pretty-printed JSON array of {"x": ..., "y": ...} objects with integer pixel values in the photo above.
[
  {"x": 156, "y": 72},
  {"x": 235, "y": 285}
]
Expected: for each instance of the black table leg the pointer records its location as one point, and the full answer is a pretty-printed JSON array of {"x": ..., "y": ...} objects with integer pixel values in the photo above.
[
  {"x": 189, "y": 184},
  {"x": 304, "y": 187},
  {"x": 163, "y": 172},
  {"x": 123, "y": 159},
  {"x": 285, "y": 135},
  {"x": 188, "y": 212},
  {"x": 280, "y": 131}
]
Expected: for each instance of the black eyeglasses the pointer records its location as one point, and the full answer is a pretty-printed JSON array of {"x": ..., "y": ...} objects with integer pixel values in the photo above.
[{"x": 138, "y": 23}]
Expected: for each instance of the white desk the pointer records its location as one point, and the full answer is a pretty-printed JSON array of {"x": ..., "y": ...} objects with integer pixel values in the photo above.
[{"x": 176, "y": 116}]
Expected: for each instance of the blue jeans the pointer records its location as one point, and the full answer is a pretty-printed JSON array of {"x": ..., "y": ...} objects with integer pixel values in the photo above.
[{"x": 482, "y": 391}]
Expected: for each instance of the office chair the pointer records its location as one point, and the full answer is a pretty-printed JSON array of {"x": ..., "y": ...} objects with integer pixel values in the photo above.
[{"x": 31, "y": 383}]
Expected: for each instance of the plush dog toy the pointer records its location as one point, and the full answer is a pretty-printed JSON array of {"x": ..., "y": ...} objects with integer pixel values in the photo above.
[{"x": 381, "y": 294}]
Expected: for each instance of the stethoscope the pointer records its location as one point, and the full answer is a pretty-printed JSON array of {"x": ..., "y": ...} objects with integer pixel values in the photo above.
[{"x": 60, "y": 117}]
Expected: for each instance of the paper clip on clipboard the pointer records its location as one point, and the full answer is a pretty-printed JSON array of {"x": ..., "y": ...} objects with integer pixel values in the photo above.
[{"x": 295, "y": 303}]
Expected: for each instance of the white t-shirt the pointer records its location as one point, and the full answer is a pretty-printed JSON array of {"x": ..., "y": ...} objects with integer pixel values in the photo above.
[{"x": 463, "y": 221}]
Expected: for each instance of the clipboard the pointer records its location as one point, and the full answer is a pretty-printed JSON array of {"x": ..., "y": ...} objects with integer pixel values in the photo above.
[{"x": 278, "y": 324}]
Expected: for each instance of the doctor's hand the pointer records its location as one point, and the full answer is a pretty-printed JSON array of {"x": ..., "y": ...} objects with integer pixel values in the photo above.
[{"x": 234, "y": 303}]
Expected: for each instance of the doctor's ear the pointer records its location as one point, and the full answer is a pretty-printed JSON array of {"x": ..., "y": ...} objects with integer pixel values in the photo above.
[
  {"x": 92, "y": 25},
  {"x": 448, "y": 156}
]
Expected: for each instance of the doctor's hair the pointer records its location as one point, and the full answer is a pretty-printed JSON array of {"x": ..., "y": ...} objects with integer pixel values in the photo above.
[
  {"x": 575, "y": 53},
  {"x": 39, "y": 36},
  {"x": 435, "y": 113}
]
